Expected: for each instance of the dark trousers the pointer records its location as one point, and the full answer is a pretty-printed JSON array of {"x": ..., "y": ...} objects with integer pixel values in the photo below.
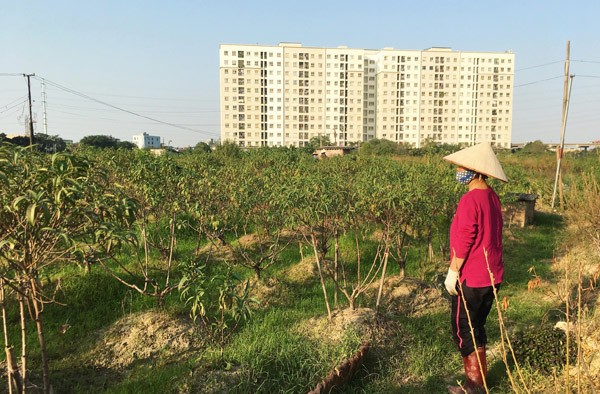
[{"x": 479, "y": 302}]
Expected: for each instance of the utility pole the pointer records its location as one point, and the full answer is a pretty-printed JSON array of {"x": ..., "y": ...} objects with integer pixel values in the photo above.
[
  {"x": 560, "y": 147},
  {"x": 44, "y": 106},
  {"x": 30, "y": 111},
  {"x": 559, "y": 151}
]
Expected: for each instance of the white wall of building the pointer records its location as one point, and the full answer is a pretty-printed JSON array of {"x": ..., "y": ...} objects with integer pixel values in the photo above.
[
  {"x": 145, "y": 140},
  {"x": 292, "y": 93}
]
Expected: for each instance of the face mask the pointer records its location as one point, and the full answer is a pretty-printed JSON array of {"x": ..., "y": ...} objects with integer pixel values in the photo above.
[{"x": 465, "y": 177}]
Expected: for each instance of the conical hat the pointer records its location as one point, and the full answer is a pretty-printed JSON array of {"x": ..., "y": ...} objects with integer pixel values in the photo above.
[{"x": 480, "y": 158}]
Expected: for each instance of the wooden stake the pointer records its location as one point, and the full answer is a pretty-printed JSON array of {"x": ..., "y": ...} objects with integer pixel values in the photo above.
[
  {"x": 23, "y": 339},
  {"x": 12, "y": 368}
]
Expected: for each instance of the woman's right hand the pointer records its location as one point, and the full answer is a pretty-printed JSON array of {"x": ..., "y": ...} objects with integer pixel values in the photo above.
[{"x": 450, "y": 282}]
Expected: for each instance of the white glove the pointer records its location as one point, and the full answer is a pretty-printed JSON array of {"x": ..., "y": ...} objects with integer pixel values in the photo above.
[{"x": 450, "y": 282}]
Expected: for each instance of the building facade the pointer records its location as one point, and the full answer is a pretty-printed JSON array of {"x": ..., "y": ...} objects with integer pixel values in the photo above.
[
  {"x": 144, "y": 141},
  {"x": 287, "y": 94}
]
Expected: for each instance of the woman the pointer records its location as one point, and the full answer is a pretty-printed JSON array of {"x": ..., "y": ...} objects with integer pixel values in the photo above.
[{"x": 476, "y": 250}]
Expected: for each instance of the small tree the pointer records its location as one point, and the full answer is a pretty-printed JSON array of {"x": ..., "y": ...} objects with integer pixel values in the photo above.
[
  {"x": 100, "y": 141},
  {"x": 156, "y": 184},
  {"x": 377, "y": 147},
  {"x": 318, "y": 141},
  {"x": 52, "y": 210},
  {"x": 43, "y": 143},
  {"x": 219, "y": 301},
  {"x": 228, "y": 150},
  {"x": 202, "y": 147},
  {"x": 126, "y": 145}
]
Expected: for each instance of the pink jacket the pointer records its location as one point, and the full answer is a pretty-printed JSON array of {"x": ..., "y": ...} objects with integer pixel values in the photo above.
[{"x": 477, "y": 225}]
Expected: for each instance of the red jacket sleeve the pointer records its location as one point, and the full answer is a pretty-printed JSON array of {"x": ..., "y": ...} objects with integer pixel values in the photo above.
[{"x": 466, "y": 227}]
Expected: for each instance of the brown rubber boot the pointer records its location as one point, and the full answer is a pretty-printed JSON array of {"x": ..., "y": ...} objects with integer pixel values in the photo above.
[
  {"x": 458, "y": 389},
  {"x": 474, "y": 379}
]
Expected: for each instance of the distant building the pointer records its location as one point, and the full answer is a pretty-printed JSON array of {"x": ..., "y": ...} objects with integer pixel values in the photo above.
[
  {"x": 285, "y": 95},
  {"x": 144, "y": 141}
]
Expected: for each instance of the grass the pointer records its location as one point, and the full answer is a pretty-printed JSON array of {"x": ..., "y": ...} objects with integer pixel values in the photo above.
[{"x": 269, "y": 353}]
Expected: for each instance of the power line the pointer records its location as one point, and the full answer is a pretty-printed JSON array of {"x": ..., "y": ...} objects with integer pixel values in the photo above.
[
  {"x": 54, "y": 110},
  {"x": 13, "y": 106},
  {"x": 147, "y": 97},
  {"x": 195, "y": 113},
  {"x": 586, "y": 61},
  {"x": 69, "y": 90},
  {"x": 10, "y": 75},
  {"x": 539, "y": 65},
  {"x": 12, "y": 111},
  {"x": 588, "y": 76},
  {"x": 59, "y": 97},
  {"x": 20, "y": 98},
  {"x": 538, "y": 81},
  {"x": 99, "y": 117}
]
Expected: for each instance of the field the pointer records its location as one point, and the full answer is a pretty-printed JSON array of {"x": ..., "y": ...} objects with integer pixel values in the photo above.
[{"x": 261, "y": 271}]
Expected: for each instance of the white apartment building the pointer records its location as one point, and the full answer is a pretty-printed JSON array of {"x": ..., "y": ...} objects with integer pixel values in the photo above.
[
  {"x": 144, "y": 141},
  {"x": 287, "y": 94}
]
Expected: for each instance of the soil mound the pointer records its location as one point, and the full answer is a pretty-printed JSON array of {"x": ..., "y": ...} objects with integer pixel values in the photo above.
[
  {"x": 216, "y": 251},
  {"x": 304, "y": 271},
  {"x": 270, "y": 291},
  {"x": 408, "y": 296},
  {"x": 360, "y": 320},
  {"x": 248, "y": 240},
  {"x": 365, "y": 323},
  {"x": 144, "y": 337}
]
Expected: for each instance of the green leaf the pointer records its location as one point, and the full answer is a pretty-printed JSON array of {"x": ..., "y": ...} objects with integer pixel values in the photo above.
[
  {"x": 4, "y": 242},
  {"x": 30, "y": 213},
  {"x": 17, "y": 201}
]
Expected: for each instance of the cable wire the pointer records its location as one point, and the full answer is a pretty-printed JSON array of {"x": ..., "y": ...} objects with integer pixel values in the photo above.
[
  {"x": 538, "y": 81},
  {"x": 539, "y": 65},
  {"x": 69, "y": 90},
  {"x": 20, "y": 98},
  {"x": 586, "y": 61},
  {"x": 13, "y": 106}
]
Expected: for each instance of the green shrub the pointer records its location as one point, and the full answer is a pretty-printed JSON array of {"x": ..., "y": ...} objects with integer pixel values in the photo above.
[{"x": 543, "y": 349}]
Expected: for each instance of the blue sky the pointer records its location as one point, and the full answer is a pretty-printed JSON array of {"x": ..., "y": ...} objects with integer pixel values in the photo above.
[{"x": 160, "y": 59}]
